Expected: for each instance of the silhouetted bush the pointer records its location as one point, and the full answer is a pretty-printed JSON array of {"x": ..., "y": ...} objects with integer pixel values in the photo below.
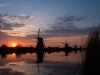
[
  {"x": 92, "y": 59},
  {"x": 4, "y": 46}
]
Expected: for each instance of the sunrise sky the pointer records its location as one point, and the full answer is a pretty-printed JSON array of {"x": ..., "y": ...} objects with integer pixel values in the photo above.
[{"x": 59, "y": 20}]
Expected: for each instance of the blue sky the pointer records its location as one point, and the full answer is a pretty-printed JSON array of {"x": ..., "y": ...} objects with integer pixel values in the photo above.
[
  {"x": 79, "y": 7},
  {"x": 23, "y": 18},
  {"x": 53, "y": 8}
]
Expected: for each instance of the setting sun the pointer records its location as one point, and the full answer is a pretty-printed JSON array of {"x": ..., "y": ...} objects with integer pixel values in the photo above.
[{"x": 14, "y": 44}]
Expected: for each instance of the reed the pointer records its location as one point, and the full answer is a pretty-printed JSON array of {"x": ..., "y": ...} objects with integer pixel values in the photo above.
[{"x": 92, "y": 59}]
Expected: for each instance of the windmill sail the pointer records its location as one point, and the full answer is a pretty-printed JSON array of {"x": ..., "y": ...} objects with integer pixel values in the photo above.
[{"x": 38, "y": 33}]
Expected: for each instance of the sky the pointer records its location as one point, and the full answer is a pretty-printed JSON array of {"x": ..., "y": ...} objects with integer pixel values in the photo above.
[{"x": 58, "y": 20}]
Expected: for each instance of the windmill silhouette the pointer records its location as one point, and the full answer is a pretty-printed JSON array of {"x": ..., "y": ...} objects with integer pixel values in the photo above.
[
  {"x": 66, "y": 47},
  {"x": 66, "y": 44},
  {"x": 40, "y": 48},
  {"x": 40, "y": 43}
]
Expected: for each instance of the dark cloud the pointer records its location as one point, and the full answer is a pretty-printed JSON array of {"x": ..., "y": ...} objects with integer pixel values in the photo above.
[
  {"x": 67, "y": 32},
  {"x": 7, "y": 25},
  {"x": 67, "y": 22},
  {"x": 4, "y": 25},
  {"x": 65, "y": 26},
  {"x": 70, "y": 18},
  {"x": 18, "y": 17},
  {"x": 17, "y": 25}
]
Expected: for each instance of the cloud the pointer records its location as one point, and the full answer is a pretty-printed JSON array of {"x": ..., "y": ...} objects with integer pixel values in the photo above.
[
  {"x": 63, "y": 26},
  {"x": 11, "y": 21},
  {"x": 14, "y": 23},
  {"x": 61, "y": 33},
  {"x": 67, "y": 22},
  {"x": 4, "y": 37},
  {"x": 9, "y": 26},
  {"x": 15, "y": 18},
  {"x": 67, "y": 32},
  {"x": 66, "y": 26},
  {"x": 4, "y": 25},
  {"x": 2, "y": 5},
  {"x": 70, "y": 18}
]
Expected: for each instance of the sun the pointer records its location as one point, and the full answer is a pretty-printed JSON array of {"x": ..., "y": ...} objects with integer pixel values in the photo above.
[{"x": 14, "y": 44}]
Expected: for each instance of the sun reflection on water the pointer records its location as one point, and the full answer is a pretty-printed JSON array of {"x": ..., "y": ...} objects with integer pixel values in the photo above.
[{"x": 52, "y": 64}]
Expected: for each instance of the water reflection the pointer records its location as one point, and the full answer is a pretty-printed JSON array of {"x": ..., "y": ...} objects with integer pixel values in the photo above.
[
  {"x": 3, "y": 56},
  {"x": 54, "y": 63},
  {"x": 18, "y": 55},
  {"x": 9, "y": 71},
  {"x": 40, "y": 56}
]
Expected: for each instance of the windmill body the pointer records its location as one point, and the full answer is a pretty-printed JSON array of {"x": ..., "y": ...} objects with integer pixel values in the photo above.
[{"x": 40, "y": 43}]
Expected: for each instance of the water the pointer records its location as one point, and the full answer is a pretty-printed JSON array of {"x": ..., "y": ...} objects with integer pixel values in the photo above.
[{"x": 54, "y": 64}]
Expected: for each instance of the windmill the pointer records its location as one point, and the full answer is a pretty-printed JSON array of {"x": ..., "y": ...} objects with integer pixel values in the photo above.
[
  {"x": 66, "y": 48},
  {"x": 39, "y": 48},
  {"x": 66, "y": 44},
  {"x": 40, "y": 43}
]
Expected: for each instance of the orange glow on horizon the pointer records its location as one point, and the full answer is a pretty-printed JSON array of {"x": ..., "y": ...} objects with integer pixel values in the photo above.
[
  {"x": 49, "y": 42},
  {"x": 14, "y": 44}
]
